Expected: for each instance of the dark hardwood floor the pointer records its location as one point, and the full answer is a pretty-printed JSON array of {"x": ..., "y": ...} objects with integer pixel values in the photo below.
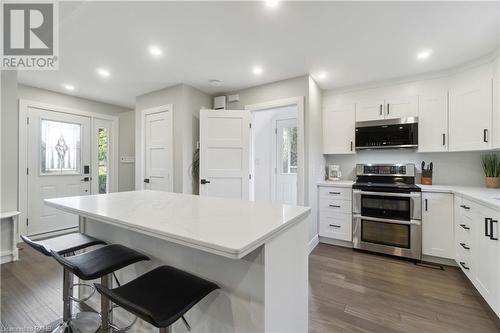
[{"x": 349, "y": 292}]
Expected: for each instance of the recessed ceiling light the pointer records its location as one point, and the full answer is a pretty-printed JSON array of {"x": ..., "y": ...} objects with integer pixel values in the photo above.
[
  {"x": 69, "y": 87},
  {"x": 103, "y": 72},
  {"x": 155, "y": 51},
  {"x": 215, "y": 83},
  {"x": 321, "y": 75},
  {"x": 257, "y": 70},
  {"x": 271, "y": 3},
  {"x": 422, "y": 55}
]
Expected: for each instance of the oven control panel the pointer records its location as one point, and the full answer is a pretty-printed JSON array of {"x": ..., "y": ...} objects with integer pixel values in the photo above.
[{"x": 385, "y": 170}]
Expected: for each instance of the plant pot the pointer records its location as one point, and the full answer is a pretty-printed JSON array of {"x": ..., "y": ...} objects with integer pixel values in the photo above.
[{"x": 492, "y": 182}]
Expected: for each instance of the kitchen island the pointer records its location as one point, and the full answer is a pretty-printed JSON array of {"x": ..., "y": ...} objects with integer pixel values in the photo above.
[{"x": 256, "y": 252}]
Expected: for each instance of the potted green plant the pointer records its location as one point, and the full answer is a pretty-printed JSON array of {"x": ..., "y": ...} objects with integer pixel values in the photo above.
[{"x": 491, "y": 167}]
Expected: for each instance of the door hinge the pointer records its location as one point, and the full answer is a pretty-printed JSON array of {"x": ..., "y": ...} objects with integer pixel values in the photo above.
[
  {"x": 27, "y": 221},
  {"x": 250, "y": 125},
  {"x": 27, "y": 171},
  {"x": 276, "y": 131},
  {"x": 250, "y": 176},
  {"x": 27, "y": 120}
]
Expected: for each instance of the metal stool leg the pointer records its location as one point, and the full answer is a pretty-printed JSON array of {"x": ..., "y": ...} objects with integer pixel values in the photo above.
[
  {"x": 106, "y": 314},
  {"x": 67, "y": 304}
]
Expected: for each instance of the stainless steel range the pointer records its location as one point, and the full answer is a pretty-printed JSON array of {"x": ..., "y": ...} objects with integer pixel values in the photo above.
[{"x": 387, "y": 210}]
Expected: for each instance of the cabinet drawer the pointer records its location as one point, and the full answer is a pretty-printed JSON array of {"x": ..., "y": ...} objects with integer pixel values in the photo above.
[
  {"x": 335, "y": 205},
  {"x": 341, "y": 193},
  {"x": 335, "y": 225}
]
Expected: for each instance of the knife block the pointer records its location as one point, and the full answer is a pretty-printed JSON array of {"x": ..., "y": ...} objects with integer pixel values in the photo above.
[{"x": 426, "y": 177}]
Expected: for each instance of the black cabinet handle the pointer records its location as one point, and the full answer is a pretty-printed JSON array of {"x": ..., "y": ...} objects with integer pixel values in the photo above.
[
  {"x": 426, "y": 205},
  {"x": 85, "y": 179},
  {"x": 351, "y": 145},
  {"x": 387, "y": 108},
  {"x": 463, "y": 265},
  {"x": 335, "y": 206},
  {"x": 381, "y": 106},
  {"x": 486, "y": 224},
  {"x": 444, "y": 139},
  {"x": 485, "y": 135},
  {"x": 146, "y": 180},
  {"x": 334, "y": 192},
  {"x": 204, "y": 181},
  {"x": 335, "y": 226},
  {"x": 491, "y": 229},
  {"x": 465, "y": 226},
  {"x": 465, "y": 246},
  {"x": 465, "y": 207}
]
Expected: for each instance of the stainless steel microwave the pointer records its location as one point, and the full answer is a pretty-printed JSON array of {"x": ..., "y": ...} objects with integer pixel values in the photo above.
[{"x": 388, "y": 133}]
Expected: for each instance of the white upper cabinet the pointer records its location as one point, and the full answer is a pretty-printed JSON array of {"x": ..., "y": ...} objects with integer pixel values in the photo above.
[
  {"x": 470, "y": 115},
  {"x": 339, "y": 129},
  {"x": 401, "y": 107},
  {"x": 433, "y": 122},
  {"x": 370, "y": 110}
]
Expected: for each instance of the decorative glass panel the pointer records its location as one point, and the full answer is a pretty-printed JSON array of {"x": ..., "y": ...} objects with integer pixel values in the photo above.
[
  {"x": 60, "y": 150},
  {"x": 289, "y": 150},
  {"x": 103, "y": 159}
]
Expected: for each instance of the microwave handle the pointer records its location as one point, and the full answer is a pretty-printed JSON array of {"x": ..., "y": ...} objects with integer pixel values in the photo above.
[{"x": 388, "y": 194}]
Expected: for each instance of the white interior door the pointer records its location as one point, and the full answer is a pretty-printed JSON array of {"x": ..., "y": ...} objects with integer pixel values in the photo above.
[
  {"x": 285, "y": 162},
  {"x": 158, "y": 146},
  {"x": 58, "y": 166},
  {"x": 103, "y": 157},
  {"x": 225, "y": 153}
]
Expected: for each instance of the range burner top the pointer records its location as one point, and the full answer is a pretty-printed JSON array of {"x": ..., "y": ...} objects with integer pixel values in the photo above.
[{"x": 386, "y": 177}]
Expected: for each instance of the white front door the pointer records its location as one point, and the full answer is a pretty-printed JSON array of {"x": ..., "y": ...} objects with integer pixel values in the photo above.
[
  {"x": 158, "y": 164},
  {"x": 58, "y": 166},
  {"x": 285, "y": 162},
  {"x": 225, "y": 153}
]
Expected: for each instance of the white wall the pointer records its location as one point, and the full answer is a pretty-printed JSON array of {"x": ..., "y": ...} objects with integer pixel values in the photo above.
[
  {"x": 187, "y": 102},
  {"x": 126, "y": 173},
  {"x": 10, "y": 142},
  {"x": 263, "y": 127},
  {"x": 462, "y": 168}
]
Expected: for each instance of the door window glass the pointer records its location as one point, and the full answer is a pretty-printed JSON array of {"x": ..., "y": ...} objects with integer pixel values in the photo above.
[
  {"x": 103, "y": 159},
  {"x": 289, "y": 150},
  {"x": 60, "y": 149}
]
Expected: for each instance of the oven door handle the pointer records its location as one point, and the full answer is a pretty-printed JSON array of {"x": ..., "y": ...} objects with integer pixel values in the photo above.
[
  {"x": 389, "y": 194},
  {"x": 378, "y": 219}
]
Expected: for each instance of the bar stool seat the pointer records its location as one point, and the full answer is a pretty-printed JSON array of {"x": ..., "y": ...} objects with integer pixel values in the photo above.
[
  {"x": 160, "y": 296},
  {"x": 63, "y": 244},
  {"x": 102, "y": 261}
]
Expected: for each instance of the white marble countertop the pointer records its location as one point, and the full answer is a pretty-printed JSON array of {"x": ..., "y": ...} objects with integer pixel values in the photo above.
[
  {"x": 226, "y": 227},
  {"x": 481, "y": 195},
  {"x": 336, "y": 183}
]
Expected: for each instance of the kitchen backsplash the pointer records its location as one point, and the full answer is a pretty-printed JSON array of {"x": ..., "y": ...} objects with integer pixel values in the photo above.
[{"x": 463, "y": 168}]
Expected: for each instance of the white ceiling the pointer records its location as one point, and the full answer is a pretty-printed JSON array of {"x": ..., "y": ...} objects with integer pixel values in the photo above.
[{"x": 354, "y": 42}]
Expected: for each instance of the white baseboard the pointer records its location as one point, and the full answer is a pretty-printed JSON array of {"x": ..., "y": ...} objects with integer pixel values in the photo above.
[
  {"x": 337, "y": 242},
  {"x": 313, "y": 243},
  {"x": 6, "y": 256}
]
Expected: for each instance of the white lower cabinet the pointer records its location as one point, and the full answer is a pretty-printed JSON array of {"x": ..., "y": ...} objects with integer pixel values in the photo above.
[
  {"x": 478, "y": 248},
  {"x": 335, "y": 213},
  {"x": 437, "y": 225}
]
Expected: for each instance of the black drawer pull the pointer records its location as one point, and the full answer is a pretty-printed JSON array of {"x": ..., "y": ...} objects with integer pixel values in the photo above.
[
  {"x": 465, "y": 207},
  {"x": 486, "y": 224},
  {"x": 463, "y": 265},
  {"x": 485, "y": 135},
  {"x": 337, "y": 193},
  {"x": 491, "y": 229},
  {"x": 465, "y": 246},
  {"x": 335, "y": 226},
  {"x": 465, "y": 226},
  {"x": 335, "y": 206}
]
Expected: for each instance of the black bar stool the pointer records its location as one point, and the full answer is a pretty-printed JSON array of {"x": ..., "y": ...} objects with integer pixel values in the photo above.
[
  {"x": 85, "y": 322},
  {"x": 101, "y": 263},
  {"x": 161, "y": 296}
]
